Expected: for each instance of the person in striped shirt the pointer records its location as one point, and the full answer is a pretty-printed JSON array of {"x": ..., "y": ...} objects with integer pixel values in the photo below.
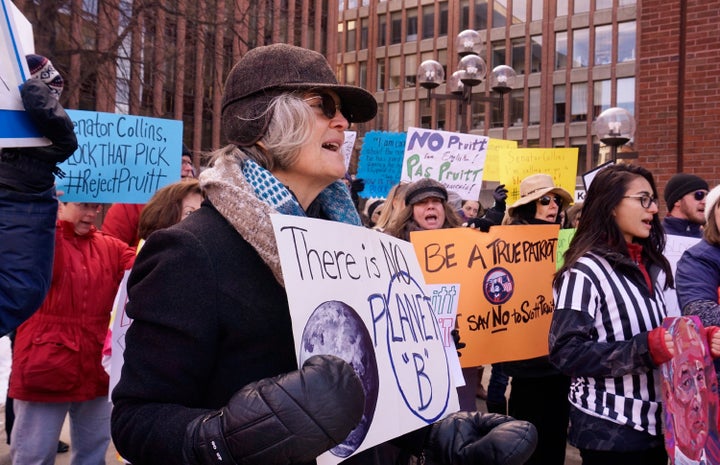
[{"x": 606, "y": 331}]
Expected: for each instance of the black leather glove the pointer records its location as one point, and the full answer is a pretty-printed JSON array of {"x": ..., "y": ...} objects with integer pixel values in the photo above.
[
  {"x": 470, "y": 438},
  {"x": 32, "y": 169},
  {"x": 482, "y": 224},
  {"x": 286, "y": 419},
  {"x": 500, "y": 194},
  {"x": 456, "y": 339}
]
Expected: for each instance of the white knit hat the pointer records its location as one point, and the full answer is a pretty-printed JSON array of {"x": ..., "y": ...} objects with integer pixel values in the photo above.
[{"x": 711, "y": 201}]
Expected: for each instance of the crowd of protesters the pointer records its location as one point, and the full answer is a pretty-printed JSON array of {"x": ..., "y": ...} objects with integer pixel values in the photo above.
[{"x": 209, "y": 362}]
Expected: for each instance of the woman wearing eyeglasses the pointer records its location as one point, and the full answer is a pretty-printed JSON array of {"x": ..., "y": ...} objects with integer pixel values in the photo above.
[
  {"x": 606, "y": 330},
  {"x": 210, "y": 370},
  {"x": 538, "y": 390}
]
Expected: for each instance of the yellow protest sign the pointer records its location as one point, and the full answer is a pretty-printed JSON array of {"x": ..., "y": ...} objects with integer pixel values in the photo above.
[
  {"x": 505, "y": 280},
  {"x": 517, "y": 164},
  {"x": 492, "y": 162}
]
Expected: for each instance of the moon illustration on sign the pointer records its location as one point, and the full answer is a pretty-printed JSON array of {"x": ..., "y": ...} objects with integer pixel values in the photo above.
[{"x": 335, "y": 328}]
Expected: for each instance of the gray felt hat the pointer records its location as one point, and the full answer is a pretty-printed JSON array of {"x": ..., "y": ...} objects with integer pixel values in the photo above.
[{"x": 268, "y": 71}]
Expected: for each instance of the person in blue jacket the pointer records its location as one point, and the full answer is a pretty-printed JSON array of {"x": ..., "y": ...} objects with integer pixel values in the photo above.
[{"x": 28, "y": 202}]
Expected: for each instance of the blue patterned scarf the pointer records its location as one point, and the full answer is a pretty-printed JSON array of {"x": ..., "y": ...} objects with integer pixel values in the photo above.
[{"x": 334, "y": 199}]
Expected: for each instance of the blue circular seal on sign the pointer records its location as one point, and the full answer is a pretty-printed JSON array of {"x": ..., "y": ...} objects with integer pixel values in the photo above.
[{"x": 498, "y": 285}]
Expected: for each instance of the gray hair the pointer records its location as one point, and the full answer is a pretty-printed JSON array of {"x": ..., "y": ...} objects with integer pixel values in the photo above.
[{"x": 290, "y": 127}]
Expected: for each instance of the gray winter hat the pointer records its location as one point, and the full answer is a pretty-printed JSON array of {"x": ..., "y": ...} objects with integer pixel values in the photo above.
[{"x": 268, "y": 71}]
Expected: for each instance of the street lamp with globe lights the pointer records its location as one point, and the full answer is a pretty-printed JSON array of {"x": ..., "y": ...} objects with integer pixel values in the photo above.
[
  {"x": 471, "y": 71},
  {"x": 615, "y": 127}
]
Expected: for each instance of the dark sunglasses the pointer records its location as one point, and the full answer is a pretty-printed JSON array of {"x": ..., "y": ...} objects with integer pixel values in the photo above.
[
  {"x": 326, "y": 103},
  {"x": 546, "y": 199},
  {"x": 699, "y": 195}
]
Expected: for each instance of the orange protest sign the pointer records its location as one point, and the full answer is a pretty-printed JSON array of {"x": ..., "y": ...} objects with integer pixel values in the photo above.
[{"x": 505, "y": 280}]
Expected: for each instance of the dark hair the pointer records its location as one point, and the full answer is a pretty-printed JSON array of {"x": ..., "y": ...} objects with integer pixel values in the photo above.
[
  {"x": 524, "y": 214},
  {"x": 597, "y": 230},
  {"x": 165, "y": 207}
]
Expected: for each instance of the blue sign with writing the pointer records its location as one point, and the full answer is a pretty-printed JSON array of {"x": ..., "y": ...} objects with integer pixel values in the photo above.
[{"x": 120, "y": 158}]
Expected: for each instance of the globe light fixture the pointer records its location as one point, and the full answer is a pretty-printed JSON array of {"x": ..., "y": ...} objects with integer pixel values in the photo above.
[
  {"x": 471, "y": 71},
  {"x": 615, "y": 127}
]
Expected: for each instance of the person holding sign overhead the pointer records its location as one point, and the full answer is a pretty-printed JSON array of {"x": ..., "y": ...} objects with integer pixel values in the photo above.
[
  {"x": 606, "y": 331},
  {"x": 538, "y": 391},
  {"x": 211, "y": 371},
  {"x": 28, "y": 204}
]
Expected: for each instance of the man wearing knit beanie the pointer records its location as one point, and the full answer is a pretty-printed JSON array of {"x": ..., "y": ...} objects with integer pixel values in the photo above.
[{"x": 685, "y": 199}]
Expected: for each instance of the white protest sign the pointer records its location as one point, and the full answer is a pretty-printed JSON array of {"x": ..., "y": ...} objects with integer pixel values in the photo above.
[
  {"x": 360, "y": 295},
  {"x": 674, "y": 248},
  {"x": 16, "y": 129},
  {"x": 454, "y": 159},
  {"x": 348, "y": 146},
  {"x": 444, "y": 299}
]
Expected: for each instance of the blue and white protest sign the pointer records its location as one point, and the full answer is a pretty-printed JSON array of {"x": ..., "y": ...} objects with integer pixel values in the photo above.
[{"x": 120, "y": 158}]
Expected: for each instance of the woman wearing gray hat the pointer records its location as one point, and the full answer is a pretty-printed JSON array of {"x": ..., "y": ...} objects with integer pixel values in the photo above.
[{"x": 210, "y": 373}]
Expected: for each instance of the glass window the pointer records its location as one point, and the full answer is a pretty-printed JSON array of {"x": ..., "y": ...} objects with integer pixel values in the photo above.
[
  {"x": 626, "y": 94},
  {"x": 464, "y": 15},
  {"x": 410, "y": 111},
  {"x": 498, "y": 54},
  {"x": 561, "y": 50},
  {"x": 478, "y": 115},
  {"x": 603, "y": 4},
  {"x": 364, "y": 28},
  {"x": 341, "y": 27},
  {"x": 350, "y": 41},
  {"x": 481, "y": 16},
  {"x": 581, "y": 6},
  {"x": 601, "y": 97},
  {"x": 412, "y": 25},
  {"x": 428, "y": 22},
  {"x": 382, "y": 31},
  {"x": 394, "y": 117},
  {"x": 410, "y": 70},
  {"x": 603, "y": 44},
  {"x": 500, "y": 12},
  {"x": 443, "y": 19},
  {"x": 381, "y": 74},
  {"x": 562, "y": 8},
  {"x": 581, "y": 47},
  {"x": 351, "y": 74},
  {"x": 535, "y": 54},
  {"x": 519, "y": 15},
  {"x": 559, "y": 101},
  {"x": 537, "y": 10},
  {"x": 362, "y": 81},
  {"x": 578, "y": 108},
  {"x": 627, "y": 2},
  {"x": 396, "y": 27},
  {"x": 395, "y": 76},
  {"x": 518, "y": 55},
  {"x": 626, "y": 41},
  {"x": 534, "y": 106},
  {"x": 517, "y": 104}
]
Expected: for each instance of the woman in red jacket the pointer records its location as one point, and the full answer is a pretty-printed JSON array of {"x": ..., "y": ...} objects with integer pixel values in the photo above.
[{"x": 57, "y": 352}]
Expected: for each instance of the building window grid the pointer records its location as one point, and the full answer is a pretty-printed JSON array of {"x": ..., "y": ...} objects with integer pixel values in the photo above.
[{"x": 580, "y": 46}]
